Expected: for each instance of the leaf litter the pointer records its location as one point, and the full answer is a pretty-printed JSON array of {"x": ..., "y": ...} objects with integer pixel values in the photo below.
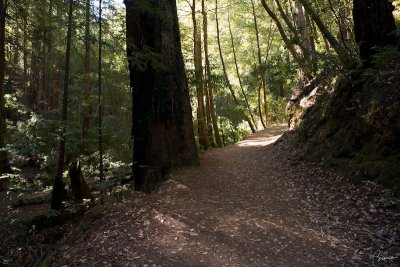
[{"x": 246, "y": 205}]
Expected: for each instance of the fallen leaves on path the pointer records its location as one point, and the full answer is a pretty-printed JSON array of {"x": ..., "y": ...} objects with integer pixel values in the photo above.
[{"x": 247, "y": 205}]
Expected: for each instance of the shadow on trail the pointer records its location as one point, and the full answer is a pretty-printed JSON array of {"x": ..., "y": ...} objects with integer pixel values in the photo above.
[
  {"x": 240, "y": 210},
  {"x": 246, "y": 205}
]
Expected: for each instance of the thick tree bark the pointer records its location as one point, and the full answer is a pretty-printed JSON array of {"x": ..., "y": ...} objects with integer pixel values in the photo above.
[
  {"x": 59, "y": 193},
  {"x": 3, "y": 12},
  {"x": 228, "y": 83},
  {"x": 87, "y": 84},
  {"x": 161, "y": 113},
  {"x": 373, "y": 29}
]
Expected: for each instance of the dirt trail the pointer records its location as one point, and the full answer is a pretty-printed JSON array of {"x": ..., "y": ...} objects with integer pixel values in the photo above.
[{"x": 247, "y": 205}]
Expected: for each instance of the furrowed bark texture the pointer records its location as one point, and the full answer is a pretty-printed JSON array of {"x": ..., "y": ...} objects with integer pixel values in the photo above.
[{"x": 161, "y": 113}]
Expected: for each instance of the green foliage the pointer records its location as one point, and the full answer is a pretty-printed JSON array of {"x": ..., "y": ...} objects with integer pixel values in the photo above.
[
  {"x": 33, "y": 128},
  {"x": 113, "y": 169},
  {"x": 385, "y": 57},
  {"x": 277, "y": 110},
  {"x": 33, "y": 137}
]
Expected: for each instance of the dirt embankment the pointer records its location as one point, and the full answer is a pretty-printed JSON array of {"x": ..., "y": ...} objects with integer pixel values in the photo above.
[{"x": 357, "y": 128}]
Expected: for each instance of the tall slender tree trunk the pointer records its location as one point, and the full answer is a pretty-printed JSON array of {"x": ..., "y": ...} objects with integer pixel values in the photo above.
[
  {"x": 286, "y": 39},
  {"x": 87, "y": 83},
  {"x": 311, "y": 40},
  {"x": 228, "y": 83},
  {"x": 57, "y": 77},
  {"x": 238, "y": 74},
  {"x": 206, "y": 90},
  {"x": 307, "y": 47},
  {"x": 304, "y": 31},
  {"x": 50, "y": 88},
  {"x": 343, "y": 55},
  {"x": 343, "y": 34},
  {"x": 262, "y": 77},
  {"x": 46, "y": 95},
  {"x": 286, "y": 19},
  {"x": 210, "y": 92},
  {"x": 44, "y": 64},
  {"x": 162, "y": 124},
  {"x": 259, "y": 105},
  {"x": 100, "y": 102},
  {"x": 3, "y": 12},
  {"x": 198, "y": 65},
  {"x": 209, "y": 123},
  {"x": 16, "y": 49},
  {"x": 59, "y": 193},
  {"x": 25, "y": 57}
]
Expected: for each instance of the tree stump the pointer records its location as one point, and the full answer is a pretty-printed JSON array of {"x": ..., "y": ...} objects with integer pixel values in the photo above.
[{"x": 80, "y": 189}]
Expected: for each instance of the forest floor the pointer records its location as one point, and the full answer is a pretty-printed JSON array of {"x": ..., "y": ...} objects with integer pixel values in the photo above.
[{"x": 246, "y": 205}]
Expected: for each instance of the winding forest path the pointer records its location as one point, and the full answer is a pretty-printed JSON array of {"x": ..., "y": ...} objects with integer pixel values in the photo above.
[{"x": 246, "y": 205}]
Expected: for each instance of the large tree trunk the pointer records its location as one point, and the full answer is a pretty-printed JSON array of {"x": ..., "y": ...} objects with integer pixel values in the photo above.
[
  {"x": 3, "y": 12},
  {"x": 161, "y": 114},
  {"x": 373, "y": 28},
  {"x": 59, "y": 193}
]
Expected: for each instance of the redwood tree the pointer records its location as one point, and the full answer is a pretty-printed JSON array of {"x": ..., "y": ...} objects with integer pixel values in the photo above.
[
  {"x": 59, "y": 193},
  {"x": 161, "y": 113},
  {"x": 374, "y": 26}
]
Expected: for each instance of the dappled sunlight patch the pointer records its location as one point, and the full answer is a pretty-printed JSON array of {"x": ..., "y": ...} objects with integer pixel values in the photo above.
[
  {"x": 259, "y": 141},
  {"x": 241, "y": 207}
]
